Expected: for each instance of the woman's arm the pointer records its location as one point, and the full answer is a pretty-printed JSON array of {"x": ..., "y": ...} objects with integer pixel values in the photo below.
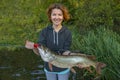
[{"x": 67, "y": 43}]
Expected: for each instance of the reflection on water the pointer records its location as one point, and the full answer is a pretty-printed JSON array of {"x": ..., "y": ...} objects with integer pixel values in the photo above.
[
  {"x": 20, "y": 65},
  {"x": 37, "y": 74}
]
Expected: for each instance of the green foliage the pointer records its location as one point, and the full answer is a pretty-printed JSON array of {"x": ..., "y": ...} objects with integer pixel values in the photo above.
[
  {"x": 105, "y": 45},
  {"x": 94, "y": 13},
  {"x": 22, "y": 20}
]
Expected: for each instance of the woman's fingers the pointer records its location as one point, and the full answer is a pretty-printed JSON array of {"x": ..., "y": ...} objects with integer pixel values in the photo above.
[{"x": 29, "y": 44}]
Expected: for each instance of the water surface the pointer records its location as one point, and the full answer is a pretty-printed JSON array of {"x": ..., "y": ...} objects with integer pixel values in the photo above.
[{"x": 23, "y": 64}]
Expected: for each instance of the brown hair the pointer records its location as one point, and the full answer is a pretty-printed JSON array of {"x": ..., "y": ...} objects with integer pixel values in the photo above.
[{"x": 66, "y": 15}]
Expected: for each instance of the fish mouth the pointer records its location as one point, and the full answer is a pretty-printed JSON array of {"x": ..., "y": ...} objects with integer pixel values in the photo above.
[{"x": 45, "y": 55}]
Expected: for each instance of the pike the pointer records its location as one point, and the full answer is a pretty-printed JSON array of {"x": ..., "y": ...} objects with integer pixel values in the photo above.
[{"x": 65, "y": 61}]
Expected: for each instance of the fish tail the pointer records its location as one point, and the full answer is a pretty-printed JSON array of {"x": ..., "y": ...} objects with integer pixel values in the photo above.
[{"x": 99, "y": 66}]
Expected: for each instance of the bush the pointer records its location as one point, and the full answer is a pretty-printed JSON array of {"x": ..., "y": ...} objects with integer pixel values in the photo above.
[{"x": 105, "y": 45}]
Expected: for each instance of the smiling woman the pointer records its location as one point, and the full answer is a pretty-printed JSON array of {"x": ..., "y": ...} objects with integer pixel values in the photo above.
[
  {"x": 57, "y": 18},
  {"x": 57, "y": 13},
  {"x": 62, "y": 8},
  {"x": 57, "y": 38}
]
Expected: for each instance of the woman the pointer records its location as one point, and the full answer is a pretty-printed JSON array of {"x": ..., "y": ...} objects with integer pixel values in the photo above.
[{"x": 57, "y": 38}]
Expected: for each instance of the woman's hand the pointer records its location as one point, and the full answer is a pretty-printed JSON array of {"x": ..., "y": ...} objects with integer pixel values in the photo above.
[
  {"x": 29, "y": 45},
  {"x": 66, "y": 53}
]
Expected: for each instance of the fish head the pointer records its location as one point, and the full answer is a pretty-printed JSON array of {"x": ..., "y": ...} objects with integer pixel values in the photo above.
[{"x": 45, "y": 54}]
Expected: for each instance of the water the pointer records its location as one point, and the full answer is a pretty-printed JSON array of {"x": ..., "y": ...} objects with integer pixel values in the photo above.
[
  {"x": 20, "y": 65},
  {"x": 23, "y": 64}
]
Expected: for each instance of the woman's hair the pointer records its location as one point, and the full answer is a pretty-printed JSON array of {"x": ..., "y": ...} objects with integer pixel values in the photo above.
[{"x": 66, "y": 15}]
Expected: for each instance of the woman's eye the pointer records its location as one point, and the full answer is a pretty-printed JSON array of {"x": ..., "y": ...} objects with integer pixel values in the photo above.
[
  {"x": 60, "y": 14},
  {"x": 53, "y": 14}
]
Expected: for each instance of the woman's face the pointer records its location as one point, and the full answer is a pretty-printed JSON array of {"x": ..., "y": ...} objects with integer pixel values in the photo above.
[{"x": 56, "y": 17}]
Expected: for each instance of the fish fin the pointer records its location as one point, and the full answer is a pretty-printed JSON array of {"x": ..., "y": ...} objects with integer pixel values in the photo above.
[
  {"x": 72, "y": 70},
  {"x": 91, "y": 57},
  {"x": 89, "y": 69},
  {"x": 99, "y": 65},
  {"x": 50, "y": 66},
  {"x": 35, "y": 50}
]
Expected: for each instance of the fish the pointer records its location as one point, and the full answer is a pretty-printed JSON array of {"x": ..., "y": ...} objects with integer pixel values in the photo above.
[{"x": 68, "y": 61}]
